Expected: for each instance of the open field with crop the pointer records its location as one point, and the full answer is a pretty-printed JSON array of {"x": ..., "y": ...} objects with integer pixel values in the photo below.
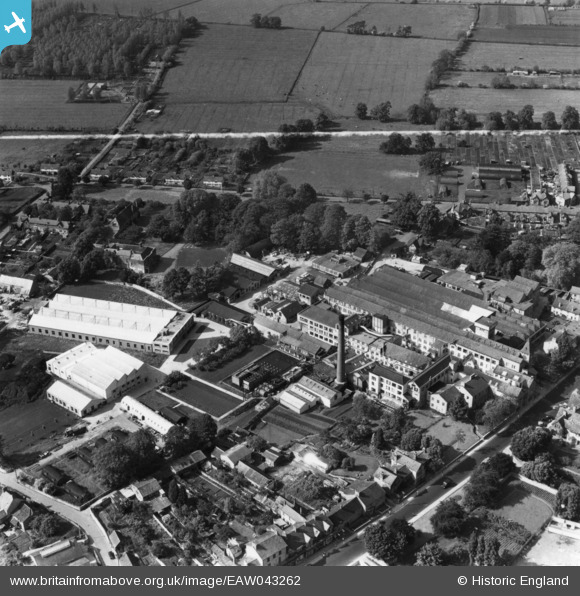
[
  {"x": 483, "y": 101},
  {"x": 42, "y": 105},
  {"x": 439, "y": 21},
  {"x": 519, "y": 56},
  {"x": 16, "y": 153},
  {"x": 337, "y": 163},
  {"x": 477, "y": 79},
  {"x": 211, "y": 117},
  {"x": 531, "y": 34},
  {"x": 232, "y": 12},
  {"x": 564, "y": 17},
  {"x": 344, "y": 70},
  {"x": 135, "y": 7},
  {"x": 500, "y": 15},
  {"x": 315, "y": 16},
  {"x": 238, "y": 64},
  {"x": 13, "y": 199}
]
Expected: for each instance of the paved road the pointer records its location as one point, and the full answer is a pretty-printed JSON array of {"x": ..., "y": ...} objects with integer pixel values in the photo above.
[
  {"x": 81, "y": 518},
  {"x": 350, "y": 549}
]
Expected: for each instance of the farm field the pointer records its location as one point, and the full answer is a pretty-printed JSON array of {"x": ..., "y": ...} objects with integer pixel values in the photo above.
[
  {"x": 237, "y": 64},
  {"x": 207, "y": 399},
  {"x": 438, "y": 21},
  {"x": 136, "y": 7},
  {"x": 114, "y": 293},
  {"x": 564, "y": 17},
  {"x": 337, "y": 163},
  {"x": 42, "y": 105},
  {"x": 17, "y": 153},
  {"x": 510, "y": 56},
  {"x": 475, "y": 79},
  {"x": 315, "y": 16},
  {"x": 13, "y": 199},
  {"x": 211, "y": 117},
  {"x": 531, "y": 34},
  {"x": 483, "y": 101},
  {"x": 500, "y": 15},
  {"x": 233, "y": 12},
  {"x": 344, "y": 70}
]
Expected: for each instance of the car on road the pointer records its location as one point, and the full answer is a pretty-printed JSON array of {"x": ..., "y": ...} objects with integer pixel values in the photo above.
[
  {"x": 420, "y": 492},
  {"x": 447, "y": 483},
  {"x": 112, "y": 555}
]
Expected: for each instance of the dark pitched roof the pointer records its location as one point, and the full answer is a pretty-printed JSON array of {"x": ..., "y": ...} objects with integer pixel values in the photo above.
[
  {"x": 389, "y": 373},
  {"x": 425, "y": 376},
  {"x": 309, "y": 290}
]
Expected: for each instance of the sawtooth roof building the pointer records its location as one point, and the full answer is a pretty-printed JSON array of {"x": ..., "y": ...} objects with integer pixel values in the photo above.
[
  {"x": 116, "y": 324},
  {"x": 436, "y": 320}
]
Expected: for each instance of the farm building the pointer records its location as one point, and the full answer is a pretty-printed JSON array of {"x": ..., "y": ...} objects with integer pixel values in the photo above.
[
  {"x": 24, "y": 285},
  {"x": 336, "y": 265},
  {"x": 112, "y": 323},
  {"x": 104, "y": 374},
  {"x": 146, "y": 415},
  {"x": 141, "y": 259}
]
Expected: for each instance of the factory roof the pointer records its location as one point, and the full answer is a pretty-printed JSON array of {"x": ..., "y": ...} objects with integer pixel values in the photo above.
[
  {"x": 252, "y": 265},
  {"x": 71, "y": 397},
  {"x": 321, "y": 315}
]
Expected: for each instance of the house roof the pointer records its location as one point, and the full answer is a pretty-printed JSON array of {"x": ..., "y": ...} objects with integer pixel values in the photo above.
[
  {"x": 224, "y": 311},
  {"x": 309, "y": 290},
  {"x": 23, "y": 513},
  {"x": 237, "y": 453},
  {"x": 424, "y": 377},
  {"x": 390, "y": 374},
  {"x": 253, "y": 475},
  {"x": 268, "y": 544},
  {"x": 7, "y": 500},
  {"x": 146, "y": 488},
  {"x": 252, "y": 265},
  {"x": 321, "y": 315}
]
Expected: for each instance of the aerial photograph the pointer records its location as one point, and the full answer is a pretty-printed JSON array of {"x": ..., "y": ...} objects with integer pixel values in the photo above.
[{"x": 290, "y": 283}]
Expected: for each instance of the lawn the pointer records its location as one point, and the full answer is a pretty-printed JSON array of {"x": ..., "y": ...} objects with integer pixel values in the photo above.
[
  {"x": 115, "y": 293},
  {"x": 13, "y": 199},
  {"x": 438, "y": 21},
  {"x": 302, "y": 424},
  {"x": 207, "y": 398},
  {"x": 189, "y": 256},
  {"x": 532, "y": 34},
  {"x": 42, "y": 105},
  {"x": 521, "y": 506},
  {"x": 277, "y": 435},
  {"x": 238, "y": 65},
  {"x": 17, "y": 153},
  {"x": 519, "y": 56},
  {"x": 483, "y": 101},
  {"x": 505, "y": 16},
  {"x": 29, "y": 429},
  {"x": 333, "y": 164},
  {"x": 344, "y": 70}
]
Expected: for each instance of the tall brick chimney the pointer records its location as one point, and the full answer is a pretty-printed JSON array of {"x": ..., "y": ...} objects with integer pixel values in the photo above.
[{"x": 340, "y": 354}]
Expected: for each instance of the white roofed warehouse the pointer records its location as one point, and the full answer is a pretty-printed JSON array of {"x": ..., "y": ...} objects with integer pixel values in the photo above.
[
  {"x": 146, "y": 415},
  {"x": 105, "y": 374},
  {"x": 72, "y": 399},
  {"x": 116, "y": 324}
]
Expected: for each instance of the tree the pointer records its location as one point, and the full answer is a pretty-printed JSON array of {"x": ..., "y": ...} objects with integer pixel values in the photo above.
[
  {"x": 142, "y": 446},
  {"x": 396, "y": 144},
  {"x": 447, "y": 119},
  {"x": 529, "y": 442},
  {"x": 176, "y": 281},
  {"x": 46, "y": 525},
  {"x": 429, "y": 220},
  {"x": 494, "y": 121},
  {"x": 526, "y": 117},
  {"x": 204, "y": 428},
  {"x": 331, "y": 225},
  {"x": 382, "y": 112},
  {"x": 333, "y": 455},
  {"x": 256, "y": 20},
  {"x": 570, "y": 118},
  {"x": 449, "y": 519},
  {"x": 405, "y": 211},
  {"x": 424, "y": 142},
  {"x": 496, "y": 411},
  {"x": 411, "y": 440},
  {"x": 176, "y": 442},
  {"x": 542, "y": 469},
  {"x": 257, "y": 443},
  {"x": 458, "y": 408},
  {"x": 69, "y": 270},
  {"x": 483, "y": 489},
  {"x": 114, "y": 464},
  {"x": 389, "y": 543},
  {"x": 484, "y": 550},
  {"x": 433, "y": 163},
  {"x": 466, "y": 120},
  {"x": 562, "y": 263},
  {"x": 430, "y": 555},
  {"x": 501, "y": 463},
  {"x": 511, "y": 121},
  {"x": 573, "y": 230},
  {"x": 6, "y": 360},
  {"x": 568, "y": 502},
  {"x": 549, "y": 121},
  {"x": 361, "y": 111},
  {"x": 65, "y": 180},
  {"x": 305, "y": 125}
]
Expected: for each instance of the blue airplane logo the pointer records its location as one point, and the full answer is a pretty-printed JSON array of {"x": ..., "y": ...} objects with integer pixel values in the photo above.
[{"x": 17, "y": 23}]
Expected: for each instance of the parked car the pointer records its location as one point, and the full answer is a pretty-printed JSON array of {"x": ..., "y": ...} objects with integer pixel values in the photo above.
[{"x": 447, "y": 483}]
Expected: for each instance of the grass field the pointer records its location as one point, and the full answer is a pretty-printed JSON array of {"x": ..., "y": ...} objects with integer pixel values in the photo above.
[
  {"x": 193, "y": 255},
  {"x": 211, "y": 117},
  {"x": 474, "y": 79},
  {"x": 17, "y": 153},
  {"x": 207, "y": 399},
  {"x": 135, "y": 7},
  {"x": 500, "y": 15},
  {"x": 564, "y": 17},
  {"x": 315, "y": 16},
  {"x": 114, "y": 293},
  {"x": 42, "y": 105},
  {"x": 520, "y": 56},
  {"x": 521, "y": 506},
  {"x": 344, "y": 70},
  {"x": 29, "y": 429},
  {"x": 552, "y": 549},
  {"x": 234, "y": 12},
  {"x": 531, "y": 34},
  {"x": 438, "y": 21},
  {"x": 483, "y": 101},
  {"x": 355, "y": 162},
  {"x": 238, "y": 64},
  {"x": 13, "y": 199}
]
